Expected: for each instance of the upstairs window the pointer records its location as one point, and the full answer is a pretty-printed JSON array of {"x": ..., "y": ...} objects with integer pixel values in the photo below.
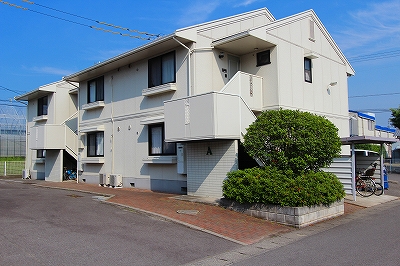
[
  {"x": 95, "y": 144},
  {"x": 157, "y": 144},
  {"x": 162, "y": 69},
  {"x": 263, "y": 58},
  {"x": 307, "y": 70},
  {"x": 42, "y": 106},
  {"x": 96, "y": 90}
]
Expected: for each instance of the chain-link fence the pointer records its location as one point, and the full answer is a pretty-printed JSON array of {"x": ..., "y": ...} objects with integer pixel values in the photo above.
[
  {"x": 8, "y": 168},
  {"x": 12, "y": 130}
]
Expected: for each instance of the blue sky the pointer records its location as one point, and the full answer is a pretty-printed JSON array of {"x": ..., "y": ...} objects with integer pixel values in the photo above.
[{"x": 41, "y": 45}]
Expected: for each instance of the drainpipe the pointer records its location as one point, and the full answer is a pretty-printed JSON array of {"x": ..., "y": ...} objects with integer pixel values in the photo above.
[
  {"x": 189, "y": 91},
  {"x": 112, "y": 124}
]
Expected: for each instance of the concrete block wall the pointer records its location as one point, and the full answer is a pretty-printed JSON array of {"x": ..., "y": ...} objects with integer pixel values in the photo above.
[{"x": 293, "y": 216}]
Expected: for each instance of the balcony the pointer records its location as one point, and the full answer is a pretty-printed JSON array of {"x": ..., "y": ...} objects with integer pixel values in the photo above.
[
  {"x": 213, "y": 115},
  {"x": 46, "y": 137}
]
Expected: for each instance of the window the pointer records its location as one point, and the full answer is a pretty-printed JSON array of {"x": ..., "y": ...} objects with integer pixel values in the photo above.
[
  {"x": 307, "y": 70},
  {"x": 263, "y": 58},
  {"x": 40, "y": 153},
  {"x": 42, "y": 106},
  {"x": 96, "y": 90},
  {"x": 95, "y": 144},
  {"x": 162, "y": 69},
  {"x": 157, "y": 145}
]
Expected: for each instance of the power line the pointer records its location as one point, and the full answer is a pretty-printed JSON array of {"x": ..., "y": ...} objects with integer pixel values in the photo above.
[
  {"x": 93, "y": 20},
  {"x": 149, "y": 38},
  {"x": 374, "y": 56},
  {"x": 4, "y": 88},
  {"x": 374, "y": 95}
]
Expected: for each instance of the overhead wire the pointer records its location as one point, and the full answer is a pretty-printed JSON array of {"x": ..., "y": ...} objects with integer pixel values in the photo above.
[
  {"x": 374, "y": 95},
  {"x": 374, "y": 56},
  {"x": 148, "y": 38}
]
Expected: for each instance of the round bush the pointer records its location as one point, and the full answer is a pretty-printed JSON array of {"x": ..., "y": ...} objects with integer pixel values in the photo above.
[{"x": 291, "y": 139}]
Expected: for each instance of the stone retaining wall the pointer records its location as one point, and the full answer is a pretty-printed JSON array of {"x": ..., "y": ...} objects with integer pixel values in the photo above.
[{"x": 293, "y": 216}]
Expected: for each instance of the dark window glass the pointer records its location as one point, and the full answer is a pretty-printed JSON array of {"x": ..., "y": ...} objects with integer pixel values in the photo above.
[
  {"x": 161, "y": 70},
  {"x": 40, "y": 153},
  {"x": 95, "y": 144},
  {"x": 42, "y": 106},
  {"x": 157, "y": 145},
  {"x": 307, "y": 70},
  {"x": 263, "y": 58},
  {"x": 96, "y": 90}
]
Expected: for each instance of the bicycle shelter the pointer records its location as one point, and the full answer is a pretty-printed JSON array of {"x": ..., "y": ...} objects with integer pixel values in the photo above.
[{"x": 352, "y": 141}]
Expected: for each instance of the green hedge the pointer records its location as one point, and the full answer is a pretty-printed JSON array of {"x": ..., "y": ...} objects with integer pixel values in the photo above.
[{"x": 272, "y": 186}]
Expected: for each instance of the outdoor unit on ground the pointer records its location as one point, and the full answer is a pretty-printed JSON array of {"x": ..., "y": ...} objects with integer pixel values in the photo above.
[
  {"x": 104, "y": 179},
  {"x": 115, "y": 180}
]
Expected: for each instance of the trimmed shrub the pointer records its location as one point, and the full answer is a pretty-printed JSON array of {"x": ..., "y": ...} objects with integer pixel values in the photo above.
[
  {"x": 270, "y": 185},
  {"x": 291, "y": 139}
]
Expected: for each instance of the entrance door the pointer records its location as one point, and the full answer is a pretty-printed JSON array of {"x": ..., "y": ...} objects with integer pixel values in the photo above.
[{"x": 233, "y": 65}]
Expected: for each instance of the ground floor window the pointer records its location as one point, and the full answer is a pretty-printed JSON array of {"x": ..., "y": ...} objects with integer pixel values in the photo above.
[
  {"x": 157, "y": 144},
  {"x": 40, "y": 153},
  {"x": 95, "y": 144}
]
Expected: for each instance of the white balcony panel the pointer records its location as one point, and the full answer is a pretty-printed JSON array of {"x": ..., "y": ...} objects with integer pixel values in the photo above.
[
  {"x": 249, "y": 87},
  {"x": 213, "y": 115},
  {"x": 47, "y": 137}
]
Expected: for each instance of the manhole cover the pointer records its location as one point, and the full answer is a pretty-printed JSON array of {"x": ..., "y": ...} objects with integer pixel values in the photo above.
[{"x": 190, "y": 212}]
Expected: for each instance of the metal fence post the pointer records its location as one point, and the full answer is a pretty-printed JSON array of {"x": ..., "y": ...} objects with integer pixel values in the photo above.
[{"x": 5, "y": 168}]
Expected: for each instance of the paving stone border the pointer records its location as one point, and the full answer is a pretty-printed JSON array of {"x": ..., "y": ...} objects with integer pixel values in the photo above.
[{"x": 293, "y": 216}]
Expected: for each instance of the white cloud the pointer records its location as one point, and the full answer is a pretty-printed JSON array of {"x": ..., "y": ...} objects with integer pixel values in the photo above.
[
  {"x": 245, "y": 3},
  {"x": 377, "y": 27},
  {"x": 198, "y": 12},
  {"x": 52, "y": 70}
]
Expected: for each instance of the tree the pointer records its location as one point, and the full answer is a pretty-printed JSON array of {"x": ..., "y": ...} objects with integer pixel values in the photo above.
[
  {"x": 395, "y": 119},
  {"x": 293, "y": 140}
]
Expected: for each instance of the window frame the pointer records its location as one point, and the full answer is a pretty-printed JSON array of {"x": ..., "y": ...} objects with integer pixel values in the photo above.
[
  {"x": 96, "y": 134},
  {"x": 307, "y": 70},
  {"x": 263, "y": 58},
  {"x": 98, "y": 90},
  {"x": 164, "y": 145},
  {"x": 43, "y": 107},
  {"x": 155, "y": 70},
  {"x": 40, "y": 154}
]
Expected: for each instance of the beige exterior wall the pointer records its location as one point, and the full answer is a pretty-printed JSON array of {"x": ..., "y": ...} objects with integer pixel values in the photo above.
[{"x": 126, "y": 113}]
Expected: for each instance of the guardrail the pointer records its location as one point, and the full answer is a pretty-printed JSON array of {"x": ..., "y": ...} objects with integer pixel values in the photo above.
[{"x": 8, "y": 168}]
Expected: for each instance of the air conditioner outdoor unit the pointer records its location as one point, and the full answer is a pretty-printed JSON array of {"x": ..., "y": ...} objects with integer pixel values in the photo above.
[
  {"x": 104, "y": 179},
  {"x": 115, "y": 180}
]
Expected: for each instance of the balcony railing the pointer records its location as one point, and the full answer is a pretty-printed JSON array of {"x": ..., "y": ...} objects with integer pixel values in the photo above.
[{"x": 247, "y": 86}]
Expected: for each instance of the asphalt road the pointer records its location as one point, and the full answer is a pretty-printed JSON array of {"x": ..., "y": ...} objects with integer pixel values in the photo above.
[{"x": 42, "y": 226}]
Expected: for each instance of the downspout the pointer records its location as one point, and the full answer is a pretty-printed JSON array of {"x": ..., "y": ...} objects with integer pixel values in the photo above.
[
  {"x": 112, "y": 124},
  {"x": 189, "y": 90}
]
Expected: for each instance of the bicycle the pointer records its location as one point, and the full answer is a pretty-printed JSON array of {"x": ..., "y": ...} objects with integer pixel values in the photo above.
[
  {"x": 365, "y": 184},
  {"x": 69, "y": 174}
]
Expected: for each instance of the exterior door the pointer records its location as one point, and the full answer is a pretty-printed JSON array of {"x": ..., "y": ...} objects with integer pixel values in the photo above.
[{"x": 233, "y": 65}]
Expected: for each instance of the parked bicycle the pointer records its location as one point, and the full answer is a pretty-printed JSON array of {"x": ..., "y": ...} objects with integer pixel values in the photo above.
[
  {"x": 365, "y": 183},
  {"x": 69, "y": 174}
]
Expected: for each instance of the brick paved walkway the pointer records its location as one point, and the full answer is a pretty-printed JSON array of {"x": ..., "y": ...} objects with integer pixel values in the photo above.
[{"x": 231, "y": 225}]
